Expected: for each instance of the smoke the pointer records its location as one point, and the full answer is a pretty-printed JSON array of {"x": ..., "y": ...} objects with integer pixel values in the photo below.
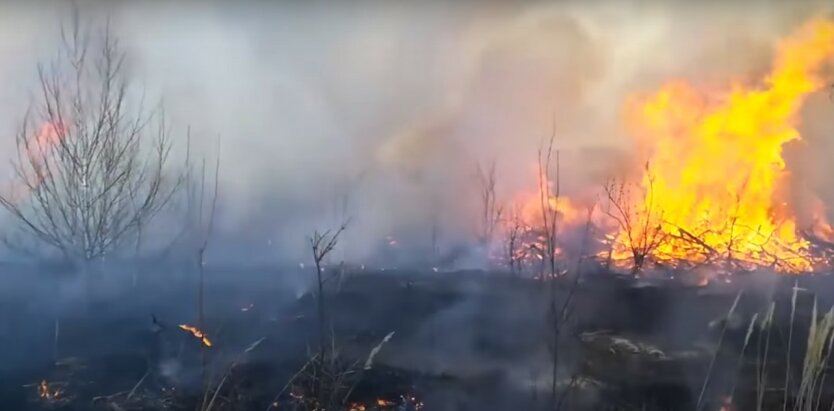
[{"x": 379, "y": 111}]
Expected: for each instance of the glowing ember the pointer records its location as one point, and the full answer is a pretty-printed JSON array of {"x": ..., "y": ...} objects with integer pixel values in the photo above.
[
  {"x": 727, "y": 404},
  {"x": 197, "y": 333},
  {"x": 716, "y": 183},
  {"x": 46, "y": 393}
]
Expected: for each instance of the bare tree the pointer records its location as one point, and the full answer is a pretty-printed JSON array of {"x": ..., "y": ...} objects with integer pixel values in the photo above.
[
  {"x": 90, "y": 166},
  {"x": 642, "y": 225},
  {"x": 560, "y": 305},
  {"x": 549, "y": 201},
  {"x": 201, "y": 206},
  {"x": 321, "y": 244},
  {"x": 516, "y": 230},
  {"x": 490, "y": 211},
  {"x": 205, "y": 223},
  {"x": 563, "y": 317},
  {"x": 549, "y": 210}
]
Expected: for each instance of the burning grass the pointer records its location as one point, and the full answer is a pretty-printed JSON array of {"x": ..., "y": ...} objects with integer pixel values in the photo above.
[
  {"x": 714, "y": 187},
  {"x": 197, "y": 333}
]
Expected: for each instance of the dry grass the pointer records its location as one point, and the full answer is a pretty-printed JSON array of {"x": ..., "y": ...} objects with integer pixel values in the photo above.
[
  {"x": 762, "y": 355},
  {"x": 817, "y": 354},
  {"x": 808, "y": 396},
  {"x": 717, "y": 350},
  {"x": 812, "y": 380}
]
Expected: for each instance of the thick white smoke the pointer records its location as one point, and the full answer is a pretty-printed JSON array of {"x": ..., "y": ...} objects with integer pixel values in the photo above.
[{"x": 393, "y": 103}]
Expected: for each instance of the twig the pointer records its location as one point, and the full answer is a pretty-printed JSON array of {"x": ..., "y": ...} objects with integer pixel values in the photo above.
[
  {"x": 717, "y": 350},
  {"x": 141, "y": 380},
  {"x": 368, "y": 364},
  {"x": 290, "y": 381},
  {"x": 229, "y": 371},
  {"x": 55, "y": 341},
  {"x": 790, "y": 344}
]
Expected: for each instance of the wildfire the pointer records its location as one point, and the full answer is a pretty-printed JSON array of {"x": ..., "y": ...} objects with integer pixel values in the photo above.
[
  {"x": 716, "y": 182},
  {"x": 527, "y": 223},
  {"x": 715, "y": 186},
  {"x": 197, "y": 333}
]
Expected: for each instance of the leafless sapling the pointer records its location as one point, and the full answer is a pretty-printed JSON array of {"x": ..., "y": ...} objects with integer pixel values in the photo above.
[
  {"x": 549, "y": 211},
  {"x": 642, "y": 224},
  {"x": 516, "y": 229},
  {"x": 91, "y": 165},
  {"x": 321, "y": 244},
  {"x": 324, "y": 365},
  {"x": 491, "y": 211},
  {"x": 201, "y": 207}
]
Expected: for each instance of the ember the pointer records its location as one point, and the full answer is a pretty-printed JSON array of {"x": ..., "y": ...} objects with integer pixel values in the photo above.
[
  {"x": 384, "y": 403},
  {"x": 727, "y": 405},
  {"x": 46, "y": 393},
  {"x": 197, "y": 333}
]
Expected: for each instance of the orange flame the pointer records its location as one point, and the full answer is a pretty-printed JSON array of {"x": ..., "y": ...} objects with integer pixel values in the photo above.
[
  {"x": 37, "y": 151},
  {"x": 46, "y": 393},
  {"x": 197, "y": 333},
  {"x": 39, "y": 145},
  {"x": 715, "y": 166},
  {"x": 529, "y": 219}
]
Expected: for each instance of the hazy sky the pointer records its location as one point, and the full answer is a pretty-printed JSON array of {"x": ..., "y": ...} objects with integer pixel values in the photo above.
[{"x": 308, "y": 95}]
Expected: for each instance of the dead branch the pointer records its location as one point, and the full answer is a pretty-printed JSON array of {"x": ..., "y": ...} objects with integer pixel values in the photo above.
[
  {"x": 321, "y": 244},
  {"x": 641, "y": 226},
  {"x": 549, "y": 213},
  {"x": 515, "y": 233},
  {"x": 490, "y": 211}
]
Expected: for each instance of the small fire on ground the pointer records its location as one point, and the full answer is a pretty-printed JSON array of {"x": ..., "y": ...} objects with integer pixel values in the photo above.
[
  {"x": 197, "y": 333},
  {"x": 46, "y": 392},
  {"x": 405, "y": 402}
]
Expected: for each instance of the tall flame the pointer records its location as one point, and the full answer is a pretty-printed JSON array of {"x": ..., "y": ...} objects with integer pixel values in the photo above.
[{"x": 716, "y": 170}]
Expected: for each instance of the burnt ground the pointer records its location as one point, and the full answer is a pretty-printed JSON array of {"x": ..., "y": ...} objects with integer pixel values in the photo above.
[{"x": 462, "y": 340}]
